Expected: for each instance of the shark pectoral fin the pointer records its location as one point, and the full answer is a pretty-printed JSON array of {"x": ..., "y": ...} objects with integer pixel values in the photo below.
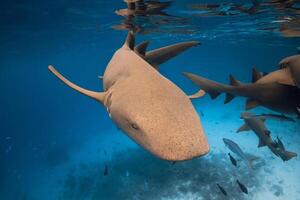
[
  {"x": 161, "y": 55},
  {"x": 198, "y": 94},
  {"x": 228, "y": 98},
  {"x": 98, "y": 96},
  {"x": 251, "y": 103},
  {"x": 244, "y": 127},
  {"x": 285, "y": 77},
  {"x": 261, "y": 144},
  {"x": 287, "y": 82}
]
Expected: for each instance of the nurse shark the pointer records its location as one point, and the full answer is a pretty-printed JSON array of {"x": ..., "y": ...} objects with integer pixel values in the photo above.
[
  {"x": 148, "y": 107},
  {"x": 271, "y": 91}
]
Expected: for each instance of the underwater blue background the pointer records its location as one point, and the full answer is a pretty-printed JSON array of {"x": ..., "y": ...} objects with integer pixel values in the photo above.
[{"x": 54, "y": 142}]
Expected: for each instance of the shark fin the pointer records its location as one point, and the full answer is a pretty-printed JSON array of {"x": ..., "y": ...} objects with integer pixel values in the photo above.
[
  {"x": 286, "y": 77},
  {"x": 228, "y": 98},
  {"x": 205, "y": 84},
  {"x": 198, "y": 94},
  {"x": 261, "y": 143},
  {"x": 289, "y": 155},
  {"x": 244, "y": 127},
  {"x": 98, "y": 96},
  {"x": 256, "y": 75},
  {"x": 130, "y": 5},
  {"x": 251, "y": 103},
  {"x": 233, "y": 81},
  {"x": 130, "y": 40},
  {"x": 161, "y": 55},
  {"x": 141, "y": 48}
]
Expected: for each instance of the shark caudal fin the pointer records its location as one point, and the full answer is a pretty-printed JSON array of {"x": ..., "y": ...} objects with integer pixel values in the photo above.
[
  {"x": 288, "y": 155},
  {"x": 214, "y": 89},
  {"x": 98, "y": 96}
]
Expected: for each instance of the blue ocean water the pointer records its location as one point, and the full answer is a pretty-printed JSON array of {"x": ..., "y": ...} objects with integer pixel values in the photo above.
[{"x": 55, "y": 143}]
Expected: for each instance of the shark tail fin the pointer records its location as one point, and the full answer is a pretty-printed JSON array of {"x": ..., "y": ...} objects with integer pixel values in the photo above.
[
  {"x": 162, "y": 55},
  {"x": 213, "y": 88},
  {"x": 289, "y": 155}
]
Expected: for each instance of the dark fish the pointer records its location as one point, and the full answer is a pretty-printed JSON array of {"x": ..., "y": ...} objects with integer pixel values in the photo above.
[
  {"x": 105, "y": 173},
  {"x": 222, "y": 190},
  {"x": 242, "y": 187},
  {"x": 174, "y": 162},
  {"x": 233, "y": 161}
]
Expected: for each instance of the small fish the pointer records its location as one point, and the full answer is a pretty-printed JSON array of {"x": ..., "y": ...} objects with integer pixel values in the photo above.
[
  {"x": 173, "y": 162},
  {"x": 202, "y": 113},
  {"x": 105, "y": 173},
  {"x": 242, "y": 187},
  {"x": 222, "y": 190},
  {"x": 233, "y": 161}
]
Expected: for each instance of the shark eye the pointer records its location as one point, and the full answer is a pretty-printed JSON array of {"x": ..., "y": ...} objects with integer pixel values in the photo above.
[{"x": 134, "y": 126}]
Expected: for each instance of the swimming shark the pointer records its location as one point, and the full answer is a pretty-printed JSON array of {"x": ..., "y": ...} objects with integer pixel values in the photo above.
[
  {"x": 148, "y": 107},
  {"x": 235, "y": 148},
  {"x": 291, "y": 65},
  {"x": 264, "y": 91},
  {"x": 256, "y": 124}
]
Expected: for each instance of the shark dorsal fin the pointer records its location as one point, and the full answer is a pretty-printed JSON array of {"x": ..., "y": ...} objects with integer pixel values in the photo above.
[
  {"x": 256, "y": 75},
  {"x": 233, "y": 81},
  {"x": 130, "y": 40},
  {"x": 141, "y": 48},
  {"x": 161, "y": 55},
  {"x": 251, "y": 103}
]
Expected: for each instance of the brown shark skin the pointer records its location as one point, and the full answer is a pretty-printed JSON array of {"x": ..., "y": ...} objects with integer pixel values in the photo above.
[
  {"x": 275, "y": 96},
  {"x": 148, "y": 107},
  {"x": 168, "y": 125},
  {"x": 292, "y": 63}
]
